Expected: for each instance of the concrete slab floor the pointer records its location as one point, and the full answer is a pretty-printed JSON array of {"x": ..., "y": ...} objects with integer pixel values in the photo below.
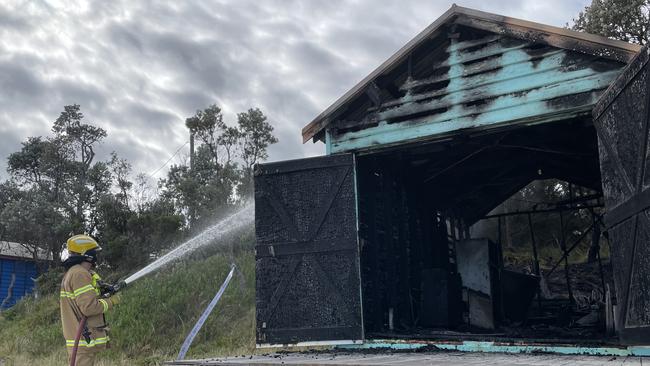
[{"x": 412, "y": 359}]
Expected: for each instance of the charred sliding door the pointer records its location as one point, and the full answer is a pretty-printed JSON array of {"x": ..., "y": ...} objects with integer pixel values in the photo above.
[
  {"x": 621, "y": 118},
  {"x": 307, "y": 253}
]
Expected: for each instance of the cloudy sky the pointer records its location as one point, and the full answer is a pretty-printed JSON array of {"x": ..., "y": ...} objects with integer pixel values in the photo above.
[{"x": 139, "y": 68}]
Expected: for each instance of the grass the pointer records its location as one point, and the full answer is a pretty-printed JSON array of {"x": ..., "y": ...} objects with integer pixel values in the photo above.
[
  {"x": 549, "y": 255},
  {"x": 149, "y": 326}
]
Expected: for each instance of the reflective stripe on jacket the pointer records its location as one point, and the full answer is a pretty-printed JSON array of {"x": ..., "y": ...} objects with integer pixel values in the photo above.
[
  {"x": 80, "y": 297},
  {"x": 82, "y": 342}
]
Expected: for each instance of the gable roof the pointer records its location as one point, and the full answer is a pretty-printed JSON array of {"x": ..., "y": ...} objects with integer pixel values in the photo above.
[
  {"x": 17, "y": 250},
  {"x": 499, "y": 24}
]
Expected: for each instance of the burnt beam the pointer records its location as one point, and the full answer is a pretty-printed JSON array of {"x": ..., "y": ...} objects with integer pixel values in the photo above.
[
  {"x": 374, "y": 94},
  {"x": 556, "y": 209}
]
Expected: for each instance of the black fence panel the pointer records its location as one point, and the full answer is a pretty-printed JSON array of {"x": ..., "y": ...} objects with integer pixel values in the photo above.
[
  {"x": 621, "y": 118},
  {"x": 307, "y": 254}
]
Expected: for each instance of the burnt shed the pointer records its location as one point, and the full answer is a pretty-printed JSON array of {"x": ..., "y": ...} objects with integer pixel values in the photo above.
[{"x": 377, "y": 238}]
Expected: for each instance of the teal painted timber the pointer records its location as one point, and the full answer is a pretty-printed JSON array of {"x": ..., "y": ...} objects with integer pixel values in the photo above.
[
  {"x": 501, "y": 347},
  {"x": 529, "y": 113},
  {"x": 510, "y": 60},
  {"x": 506, "y": 93},
  {"x": 643, "y": 351},
  {"x": 490, "y": 87},
  {"x": 512, "y": 78},
  {"x": 328, "y": 142}
]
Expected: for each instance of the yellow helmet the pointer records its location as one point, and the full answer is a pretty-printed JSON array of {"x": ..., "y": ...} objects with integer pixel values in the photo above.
[{"x": 82, "y": 243}]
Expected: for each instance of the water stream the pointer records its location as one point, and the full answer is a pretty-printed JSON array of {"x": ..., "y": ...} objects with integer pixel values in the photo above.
[{"x": 233, "y": 222}]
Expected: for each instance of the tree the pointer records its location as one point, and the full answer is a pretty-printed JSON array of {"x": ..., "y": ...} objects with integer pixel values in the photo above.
[
  {"x": 39, "y": 215},
  {"x": 155, "y": 228},
  {"x": 9, "y": 192},
  {"x": 46, "y": 163},
  {"x": 208, "y": 126},
  {"x": 60, "y": 184},
  {"x": 256, "y": 136},
  {"x": 80, "y": 138},
  {"x": 143, "y": 191},
  {"x": 34, "y": 221},
  {"x": 121, "y": 169},
  {"x": 57, "y": 187},
  {"x": 222, "y": 164},
  {"x": 626, "y": 20},
  {"x": 26, "y": 164},
  {"x": 202, "y": 190},
  {"x": 229, "y": 140}
]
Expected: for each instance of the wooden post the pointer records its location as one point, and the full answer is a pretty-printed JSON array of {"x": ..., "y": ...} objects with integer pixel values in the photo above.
[
  {"x": 499, "y": 244},
  {"x": 596, "y": 243},
  {"x": 499, "y": 230},
  {"x": 609, "y": 312},
  {"x": 532, "y": 240},
  {"x": 566, "y": 258},
  {"x": 536, "y": 264}
]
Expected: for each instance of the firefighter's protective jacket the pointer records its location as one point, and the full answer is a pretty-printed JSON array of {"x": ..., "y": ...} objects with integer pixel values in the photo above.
[{"x": 80, "y": 297}]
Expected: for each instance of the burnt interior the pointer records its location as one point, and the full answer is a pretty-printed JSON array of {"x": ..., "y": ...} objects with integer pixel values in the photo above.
[{"x": 420, "y": 211}]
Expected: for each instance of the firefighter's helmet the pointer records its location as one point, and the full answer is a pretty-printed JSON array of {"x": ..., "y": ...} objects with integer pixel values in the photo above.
[{"x": 80, "y": 244}]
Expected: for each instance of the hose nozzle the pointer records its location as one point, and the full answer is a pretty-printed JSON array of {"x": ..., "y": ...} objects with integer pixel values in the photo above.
[
  {"x": 120, "y": 286},
  {"x": 108, "y": 290}
]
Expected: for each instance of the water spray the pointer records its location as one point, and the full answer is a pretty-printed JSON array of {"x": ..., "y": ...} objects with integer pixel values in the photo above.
[
  {"x": 233, "y": 222},
  {"x": 229, "y": 224}
]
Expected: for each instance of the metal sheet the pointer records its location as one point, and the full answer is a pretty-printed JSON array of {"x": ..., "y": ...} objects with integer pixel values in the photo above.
[
  {"x": 473, "y": 261},
  {"x": 16, "y": 279}
]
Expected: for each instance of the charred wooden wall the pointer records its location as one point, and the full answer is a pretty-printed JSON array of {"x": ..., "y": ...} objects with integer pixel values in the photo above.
[
  {"x": 468, "y": 79},
  {"x": 622, "y": 121},
  {"x": 400, "y": 236},
  {"x": 307, "y": 256}
]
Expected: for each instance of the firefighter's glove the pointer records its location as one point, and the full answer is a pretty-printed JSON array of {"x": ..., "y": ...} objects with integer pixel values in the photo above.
[{"x": 116, "y": 299}]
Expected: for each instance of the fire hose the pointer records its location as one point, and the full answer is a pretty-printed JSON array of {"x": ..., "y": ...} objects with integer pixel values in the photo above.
[
  {"x": 106, "y": 290},
  {"x": 80, "y": 329},
  {"x": 199, "y": 323}
]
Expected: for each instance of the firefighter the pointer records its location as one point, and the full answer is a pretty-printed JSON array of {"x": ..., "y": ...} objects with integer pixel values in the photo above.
[{"x": 80, "y": 298}]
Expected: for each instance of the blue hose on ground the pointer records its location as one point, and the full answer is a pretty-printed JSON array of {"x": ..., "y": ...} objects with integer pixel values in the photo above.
[{"x": 199, "y": 323}]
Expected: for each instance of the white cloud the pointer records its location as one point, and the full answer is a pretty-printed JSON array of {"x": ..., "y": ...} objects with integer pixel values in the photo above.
[{"x": 138, "y": 68}]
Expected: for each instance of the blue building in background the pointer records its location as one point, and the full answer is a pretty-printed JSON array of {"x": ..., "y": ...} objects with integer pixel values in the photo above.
[{"x": 18, "y": 271}]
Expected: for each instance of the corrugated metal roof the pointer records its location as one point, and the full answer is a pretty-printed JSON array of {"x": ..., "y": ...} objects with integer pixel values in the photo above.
[
  {"x": 498, "y": 24},
  {"x": 13, "y": 249}
]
